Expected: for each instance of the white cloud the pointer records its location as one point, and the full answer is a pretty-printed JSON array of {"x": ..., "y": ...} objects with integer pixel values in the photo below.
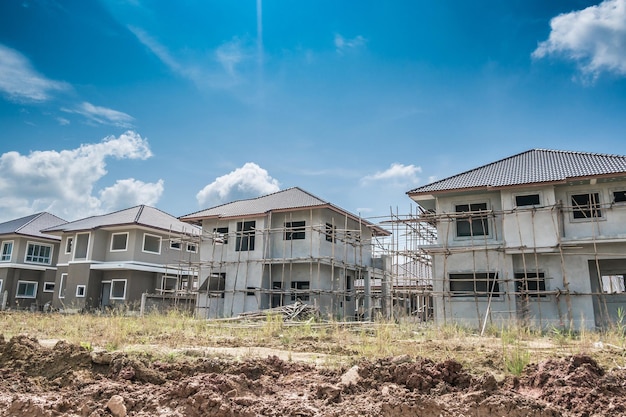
[
  {"x": 594, "y": 37},
  {"x": 102, "y": 115},
  {"x": 397, "y": 173},
  {"x": 131, "y": 192},
  {"x": 215, "y": 70},
  {"x": 63, "y": 121},
  {"x": 20, "y": 82},
  {"x": 342, "y": 44},
  {"x": 246, "y": 182},
  {"x": 62, "y": 182}
]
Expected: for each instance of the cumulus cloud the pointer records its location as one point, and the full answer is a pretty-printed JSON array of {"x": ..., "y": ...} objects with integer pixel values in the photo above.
[
  {"x": 595, "y": 38},
  {"x": 131, "y": 192},
  {"x": 249, "y": 181},
  {"x": 19, "y": 81},
  {"x": 102, "y": 115},
  {"x": 342, "y": 45},
  {"x": 63, "y": 182},
  {"x": 399, "y": 174}
]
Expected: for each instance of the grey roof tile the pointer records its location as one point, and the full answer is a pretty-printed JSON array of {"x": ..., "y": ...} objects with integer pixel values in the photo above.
[
  {"x": 531, "y": 167},
  {"x": 32, "y": 225},
  {"x": 291, "y": 198},
  {"x": 139, "y": 215}
]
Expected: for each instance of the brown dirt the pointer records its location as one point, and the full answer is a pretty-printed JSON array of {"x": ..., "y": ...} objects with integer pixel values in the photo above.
[{"x": 68, "y": 380}]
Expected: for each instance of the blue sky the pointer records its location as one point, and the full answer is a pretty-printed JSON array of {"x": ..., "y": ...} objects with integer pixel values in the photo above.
[{"x": 185, "y": 105}]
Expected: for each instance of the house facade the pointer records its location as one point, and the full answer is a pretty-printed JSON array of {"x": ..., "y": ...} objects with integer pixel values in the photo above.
[
  {"x": 116, "y": 259},
  {"x": 28, "y": 260},
  {"x": 280, "y": 248},
  {"x": 538, "y": 238}
]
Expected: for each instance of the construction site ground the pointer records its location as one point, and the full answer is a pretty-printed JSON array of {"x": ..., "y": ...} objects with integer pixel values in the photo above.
[{"x": 317, "y": 375}]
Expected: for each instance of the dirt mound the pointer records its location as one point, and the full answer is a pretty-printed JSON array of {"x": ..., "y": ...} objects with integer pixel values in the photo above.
[
  {"x": 70, "y": 380},
  {"x": 578, "y": 385}
]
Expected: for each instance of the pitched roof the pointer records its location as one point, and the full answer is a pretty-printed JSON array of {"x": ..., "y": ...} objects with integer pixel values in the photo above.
[
  {"x": 531, "y": 167},
  {"x": 291, "y": 198},
  {"x": 32, "y": 225},
  {"x": 141, "y": 215}
]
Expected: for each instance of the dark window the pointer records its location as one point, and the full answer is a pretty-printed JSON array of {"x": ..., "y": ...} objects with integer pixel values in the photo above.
[
  {"x": 220, "y": 235},
  {"x": 619, "y": 196},
  {"x": 297, "y": 288},
  {"x": 479, "y": 284},
  {"x": 217, "y": 284},
  {"x": 245, "y": 236},
  {"x": 531, "y": 283},
  {"x": 119, "y": 241},
  {"x": 586, "y": 206},
  {"x": 250, "y": 291},
  {"x": 294, "y": 230},
  {"x": 330, "y": 232},
  {"x": 527, "y": 200},
  {"x": 475, "y": 223}
]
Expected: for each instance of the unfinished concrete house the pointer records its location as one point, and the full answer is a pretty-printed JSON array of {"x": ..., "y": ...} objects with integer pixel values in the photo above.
[
  {"x": 126, "y": 259},
  {"x": 280, "y": 248},
  {"x": 28, "y": 261},
  {"x": 538, "y": 238}
]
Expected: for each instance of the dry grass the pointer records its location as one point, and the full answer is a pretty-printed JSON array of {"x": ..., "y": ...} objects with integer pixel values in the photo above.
[{"x": 503, "y": 351}]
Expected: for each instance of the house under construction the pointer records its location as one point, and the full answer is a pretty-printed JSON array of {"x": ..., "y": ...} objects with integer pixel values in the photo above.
[{"x": 538, "y": 238}]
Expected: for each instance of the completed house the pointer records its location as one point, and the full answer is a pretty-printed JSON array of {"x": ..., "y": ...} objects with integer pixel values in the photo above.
[
  {"x": 282, "y": 248},
  {"x": 28, "y": 260},
  {"x": 114, "y": 259},
  {"x": 537, "y": 238}
]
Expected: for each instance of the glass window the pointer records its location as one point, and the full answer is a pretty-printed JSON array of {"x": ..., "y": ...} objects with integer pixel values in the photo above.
[
  {"x": 119, "y": 242},
  {"x": 175, "y": 244},
  {"x": 151, "y": 243},
  {"x": 48, "y": 286},
  {"x": 7, "y": 250},
  {"x": 62, "y": 285},
  {"x": 220, "y": 235},
  {"x": 527, "y": 200},
  {"x": 118, "y": 289},
  {"x": 295, "y": 230},
  {"x": 80, "y": 290},
  {"x": 531, "y": 283},
  {"x": 475, "y": 223},
  {"x": 68, "y": 244},
  {"x": 82, "y": 246},
  {"x": 26, "y": 289},
  {"x": 245, "y": 236},
  {"x": 38, "y": 253},
  {"x": 479, "y": 284}
]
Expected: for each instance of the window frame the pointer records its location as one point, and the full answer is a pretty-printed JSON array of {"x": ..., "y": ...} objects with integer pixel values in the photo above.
[
  {"x": 331, "y": 232},
  {"x": 614, "y": 191},
  {"x": 295, "y": 230},
  {"x": 531, "y": 277},
  {"x": 113, "y": 235},
  {"x": 176, "y": 244},
  {"x": 46, "y": 286},
  {"x": 5, "y": 243},
  {"x": 246, "y": 234},
  {"x": 79, "y": 293},
  {"x": 468, "y": 277},
  {"x": 76, "y": 246},
  {"x": 192, "y": 245},
  {"x": 35, "y": 285},
  {"x": 220, "y": 235},
  {"x": 165, "y": 278},
  {"x": 62, "y": 285},
  {"x": 1, "y": 282},
  {"x": 143, "y": 246},
  {"x": 300, "y": 286},
  {"x": 69, "y": 245},
  {"x": 527, "y": 194},
  {"x": 41, "y": 245},
  {"x": 113, "y": 282},
  {"x": 590, "y": 207},
  {"x": 459, "y": 219}
]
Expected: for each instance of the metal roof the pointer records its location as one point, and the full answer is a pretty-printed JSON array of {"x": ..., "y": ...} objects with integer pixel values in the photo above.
[
  {"x": 290, "y": 199},
  {"x": 141, "y": 215},
  {"x": 530, "y": 167},
  {"x": 32, "y": 225}
]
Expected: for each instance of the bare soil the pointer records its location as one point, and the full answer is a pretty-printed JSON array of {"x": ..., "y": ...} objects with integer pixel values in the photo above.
[{"x": 69, "y": 380}]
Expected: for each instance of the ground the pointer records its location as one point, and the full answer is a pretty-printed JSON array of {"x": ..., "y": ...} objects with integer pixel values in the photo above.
[{"x": 57, "y": 378}]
